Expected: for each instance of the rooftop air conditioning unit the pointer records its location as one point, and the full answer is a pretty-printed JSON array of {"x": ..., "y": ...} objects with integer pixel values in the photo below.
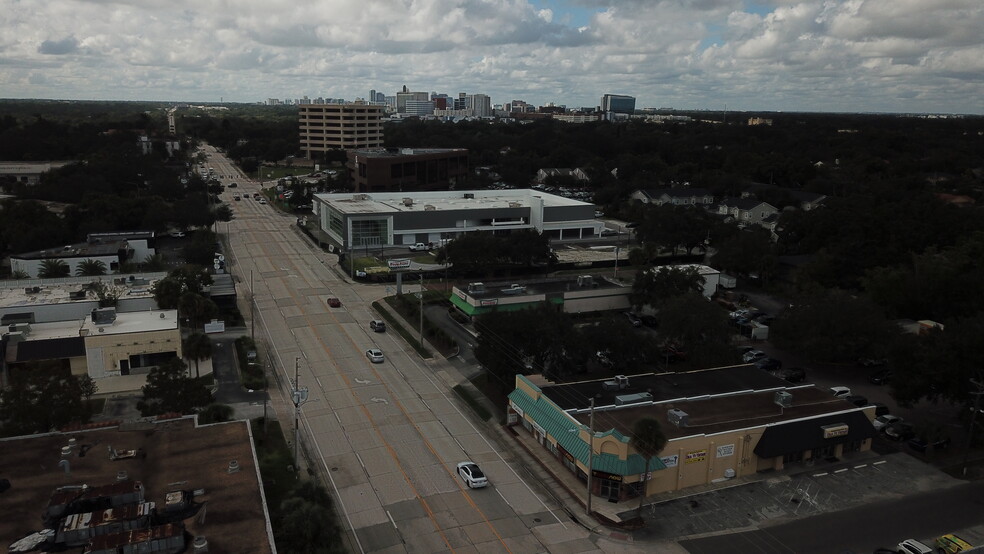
[
  {"x": 408, "y": 202},
  {"x": 429, "y": 208},
  {"x": 626, "y": 399},
  {"x": 515, "y": 205},
  {"x": 678, "y": 417},
  {"x": 619, "y": 382},
  {"x": 783, "y": 398},
  {"x": 469, "y": 196}
]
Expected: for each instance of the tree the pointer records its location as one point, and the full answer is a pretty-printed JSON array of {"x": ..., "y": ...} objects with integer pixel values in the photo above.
[
  {"x": 169, "y": 389},
  {"x": 833, "y": 326},
  {"x": 656, "y": 286},
  {"x": 90, "y": 268},
  {"x": 648, "y": 439},
  {"x": 188, "y": 278},
  {"x": 198, "y": 346},
  {"x": 41, "y": 397},
  {"x": 53, "y": 268},
  {"x": 215, "y": 413},
  {"x": 196, "y": 308},
  {"x": 153, "y": 263},
  {"x": 700, "y": 327}
]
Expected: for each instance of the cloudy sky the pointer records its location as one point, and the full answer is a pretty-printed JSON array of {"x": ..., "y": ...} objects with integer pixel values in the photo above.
[{"x": 808, "y": 55}]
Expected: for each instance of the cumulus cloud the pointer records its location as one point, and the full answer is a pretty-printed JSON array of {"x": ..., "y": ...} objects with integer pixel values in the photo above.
[
  {"x": 906, "y": 55},
  {"x": 67, "y": 45}
]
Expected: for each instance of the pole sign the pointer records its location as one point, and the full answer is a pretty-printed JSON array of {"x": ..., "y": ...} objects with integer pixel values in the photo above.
[{"x": 398, "y": 264}]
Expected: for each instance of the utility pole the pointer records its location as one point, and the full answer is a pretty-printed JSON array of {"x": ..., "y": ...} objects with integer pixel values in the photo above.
[
  {"x": 421, "y": 310},
  {"x": 252, "y": 309},
  {"x": 616, "y": 262},
  {"x": 299, "y": 396},
  {"x": 973, "y": 420},
  {"x": 590, "y": 454}
]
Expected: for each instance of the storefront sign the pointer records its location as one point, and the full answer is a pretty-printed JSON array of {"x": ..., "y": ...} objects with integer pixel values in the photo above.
[
  {"x": 696, "y": 456},
  {"x": 490, "y": 302},
  {"x": 605, "y": 475},
  {"x": 725, "y": 450},
  {"x": 568, "y": 455},
  {"x": 398, "y": 264},
  {"x": 511, "y": 417},
  {"x": 833, "y": 431},
  {"x": 517, "y": 408},
  {"x": 670, "y": 461}
]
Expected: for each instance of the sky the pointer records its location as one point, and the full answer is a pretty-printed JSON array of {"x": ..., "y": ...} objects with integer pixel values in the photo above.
[{"x": 898, "y": 56}]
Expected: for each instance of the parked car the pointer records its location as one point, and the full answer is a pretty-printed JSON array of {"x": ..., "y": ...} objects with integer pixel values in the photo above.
[
  {"x": 880, "y": 377},
  {"x": 768, "y": 364},
  {"x": 884, "y": 421},
  {"x": 177, "y": 234},
  {"x": 377, "y": 325},
  {"x": 334, "y": 302},
  {"x": 633, "y": 319},
  {"x": 419, "y": 247},
  {"x": 603, "y": 358},
  {"x": 920, "y": 444},
  {"x": 752, "y": 355},
  {"x": 472, "y": 475},
  {"x": 950, "y": 544},
  {"x": 912, "y": 546},
  {"x": 899, "y": 431},
  {"x": 857, "y": 400},
  {"x": 840, "y": 392},
  {"x": 375, "y": 355},
  {"x": 872, "y": 362},
  {"x": 880, "y": 409},
  {"x": 793, "y": 374}
]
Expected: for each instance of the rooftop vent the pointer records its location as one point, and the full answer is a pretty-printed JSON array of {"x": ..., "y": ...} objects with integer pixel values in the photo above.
[
  {"x": 619, "y": 382},
  {"x": 429, "y": 208},
  {"x": 233, "y": 466},
  {"x": 515, "y": 205},
  {"x": 408, "y": 202},
  {"x": 199, "y": 545},
  {"x": 783, "y": 398},
  {"x": 121, "y": 475},
  {"x": 626, "y": 399},
  {"x": 678, "y": 417},
  {"x": 103, "y": 316},
  {"x": 469, "y": 196}
]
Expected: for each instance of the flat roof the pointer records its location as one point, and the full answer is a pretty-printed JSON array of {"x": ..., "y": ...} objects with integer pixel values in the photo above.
[
  {"x": 31, "y": 167},
  {"x": 78, "y": 250},
  {"x": 393, "y": 202},
  {"x": 135, "y": 322},
  {"x": 59, "y": 291},
  {"x": 179, "y": 456},
  {"x": 567, "y": 284},
  {"x": 398, "y": 152}
]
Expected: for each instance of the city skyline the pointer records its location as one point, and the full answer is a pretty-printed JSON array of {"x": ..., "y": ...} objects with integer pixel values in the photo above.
[{"x": 902, "y": 56}]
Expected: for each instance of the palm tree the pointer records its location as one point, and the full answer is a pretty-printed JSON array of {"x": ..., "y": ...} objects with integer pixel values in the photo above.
[
  {"x": 154, "y": 263},
  {"x": 90, "y": 268},
  {"x": 198, "y": 346},
  {"x": 54, "y": 268},
  {"x": 649, "y": 440}
]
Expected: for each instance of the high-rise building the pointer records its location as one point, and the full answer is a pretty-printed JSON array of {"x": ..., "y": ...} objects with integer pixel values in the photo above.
[
  {"x": 618, "y": 103},
  {"x": 404, "y": 96},
  {"x": 325, "y": 127}
]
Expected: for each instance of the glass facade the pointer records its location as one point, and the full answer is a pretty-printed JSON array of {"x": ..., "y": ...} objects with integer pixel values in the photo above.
[{"x": 366, "y": 232}]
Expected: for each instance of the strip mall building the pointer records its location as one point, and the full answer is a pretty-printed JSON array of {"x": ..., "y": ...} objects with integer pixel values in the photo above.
[{"x": 720, "y": 424}]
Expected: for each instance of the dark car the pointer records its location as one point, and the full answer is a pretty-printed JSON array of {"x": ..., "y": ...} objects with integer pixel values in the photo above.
[
  {"x": 921, "y": 445},
  {"x": 233, "y": 185},
  {"x": 900, "y": 431},
  {"x": 857, "y": 400},
  {"x": 880, "y": 377},
  {"x": 768, "y": 364},
  {"x": 377, "y": 325},
  {"x": 633, "y": 319},
  {"x": 793, "y": 374},
  {"x": 334, "y": 302}
]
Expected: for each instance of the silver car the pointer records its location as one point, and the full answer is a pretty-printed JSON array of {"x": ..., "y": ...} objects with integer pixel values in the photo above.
[
  {"x": 375, "y": 355},
  {"x": 472, "y": 475}
]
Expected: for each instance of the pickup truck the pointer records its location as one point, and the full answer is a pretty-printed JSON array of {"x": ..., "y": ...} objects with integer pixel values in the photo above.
[
  {"x": 419, "y": 247},
  {"x": 515, "y": 288}
]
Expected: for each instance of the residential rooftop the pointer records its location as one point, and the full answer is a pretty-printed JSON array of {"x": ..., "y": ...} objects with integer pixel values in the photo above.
[{"x": 394, "y": 202}]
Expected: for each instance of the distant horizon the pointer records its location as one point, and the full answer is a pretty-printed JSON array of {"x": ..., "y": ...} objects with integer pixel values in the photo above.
[
  {"x": 262, "y": 103},
  {"x": 811, "y": 56}
]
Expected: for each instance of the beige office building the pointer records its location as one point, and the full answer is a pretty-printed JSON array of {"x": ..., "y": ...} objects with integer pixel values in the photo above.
[{"x": 325, "y": 127}]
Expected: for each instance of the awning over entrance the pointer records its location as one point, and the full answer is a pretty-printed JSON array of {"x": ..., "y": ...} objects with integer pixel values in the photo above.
[{"x": 813, "y": 434}]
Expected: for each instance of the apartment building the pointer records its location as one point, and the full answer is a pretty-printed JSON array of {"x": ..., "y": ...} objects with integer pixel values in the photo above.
[{"x": 325, "y": 127}]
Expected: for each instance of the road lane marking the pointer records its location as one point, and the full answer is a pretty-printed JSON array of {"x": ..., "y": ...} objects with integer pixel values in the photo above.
[{"x": 842, "y": 470}]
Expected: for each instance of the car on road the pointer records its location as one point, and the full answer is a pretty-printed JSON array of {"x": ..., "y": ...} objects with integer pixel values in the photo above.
[
  {"x": 840, "y": 392},
  {"x": 237, "y": 198},
  {"x": 768, "y": 364},
  {"x": 334, "y": 302},
  {"x": 375, "y": 355},
  {"x": 263, "y": 201},
  {"x": 899, "y": 431},
  {"x": 912, "y": 546},
  {"x": 793, "y": 374},
  {"x": 377, "y": 325},
  {"x": 884, "y": 421},
  {"x": 752, "y": 355},
  {"x": 880, "y": 377},
  {"x": 233, "y": 185},
  {"x": 472, "y": 475}
]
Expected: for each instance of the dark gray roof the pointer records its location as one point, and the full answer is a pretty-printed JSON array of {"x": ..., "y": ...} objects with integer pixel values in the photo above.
[
  {"x": 742, "y": 203},
  {"x": 50, "y": 349},
  {"x": 797, "y": 436},
  {"x": 677, "y": 192},
  {"x": 666, "y": 386},
  {"x": 222, "y": 285}
]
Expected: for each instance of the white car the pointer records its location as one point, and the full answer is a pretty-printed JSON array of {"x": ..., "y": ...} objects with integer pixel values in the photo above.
[
  {"x": 752, "y": 355},
  {"x": 472, "y": 475},
  {"x": 884, "y": 421},
  {"x": 840, "y": 392},
  {"x": 912, "y": 546},
  {"x": 375, "y": 355},
  {"x": 263, "y": 201}
]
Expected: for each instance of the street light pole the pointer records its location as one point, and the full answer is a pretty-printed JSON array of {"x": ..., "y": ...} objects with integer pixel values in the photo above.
[
  {"x": 252, "y": 309},
  {"x": 590, "y": 455},
  {"x": 421, "y": 310},
  {"x": 973, "y": 420},
  {"x": 299, "y": 396}
]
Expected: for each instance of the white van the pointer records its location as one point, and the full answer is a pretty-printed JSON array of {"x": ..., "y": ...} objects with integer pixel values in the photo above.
[{"x": 840, "y": 392}]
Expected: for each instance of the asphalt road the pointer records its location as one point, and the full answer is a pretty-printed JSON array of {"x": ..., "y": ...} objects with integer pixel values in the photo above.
[
  {"x": 386, "y": 436},
  {"x": 884, "y": 524}
]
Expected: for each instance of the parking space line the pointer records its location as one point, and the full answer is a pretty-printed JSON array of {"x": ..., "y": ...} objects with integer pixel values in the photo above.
[
  {"x": 842, "y": 470},
  {"x": 820, "y": 474},
  {"x": 879, "y": 462},
  {"x": 860, "y": 466}
]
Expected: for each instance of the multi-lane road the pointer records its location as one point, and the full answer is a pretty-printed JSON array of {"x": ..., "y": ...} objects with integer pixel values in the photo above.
[{"x": 387, "y": 436}]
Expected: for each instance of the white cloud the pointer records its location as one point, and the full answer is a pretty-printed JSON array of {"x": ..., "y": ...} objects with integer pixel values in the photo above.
[{"x": 900, "y": 55}]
